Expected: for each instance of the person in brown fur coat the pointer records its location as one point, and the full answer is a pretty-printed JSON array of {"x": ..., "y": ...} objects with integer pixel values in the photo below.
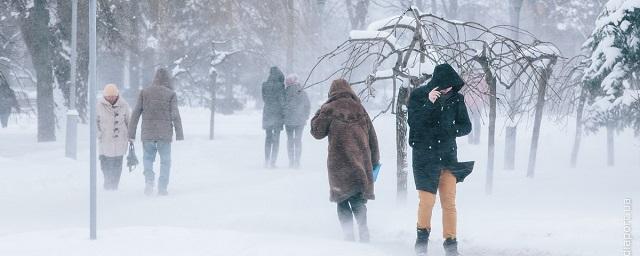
[{"x": 353, "y": 151}]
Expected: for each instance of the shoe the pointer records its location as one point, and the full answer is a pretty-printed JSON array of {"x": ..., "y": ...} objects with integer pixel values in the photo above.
[
  {"x": 451, "y": 247},
  {"x": 363, "y": 231},
  {"x": 349, "y": 236},
  {"x": 148, "y": 190},
  {"x": 422, "y": 241},
  {"x": 163, "y": 193}
]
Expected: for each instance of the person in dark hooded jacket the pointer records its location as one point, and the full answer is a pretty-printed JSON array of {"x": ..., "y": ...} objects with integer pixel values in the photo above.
[
  {"x": 353, "y": 151},
  {"x": 273, "y": 95},
  {"x": 296, "y": 114},
  {"x": 437, "y": 115},
  {"x": 8, "y": 101}
]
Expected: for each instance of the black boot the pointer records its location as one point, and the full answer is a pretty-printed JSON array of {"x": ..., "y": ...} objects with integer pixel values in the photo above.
[
  {"x": 422, "y": 241},
  {"x": 451, "y": 247}
]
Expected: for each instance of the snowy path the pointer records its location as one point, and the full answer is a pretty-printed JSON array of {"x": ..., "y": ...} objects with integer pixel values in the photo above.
[{"x": 222, "y": 202}]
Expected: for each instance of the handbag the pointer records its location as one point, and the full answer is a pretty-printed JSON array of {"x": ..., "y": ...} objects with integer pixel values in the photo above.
[{"x": 132, "y": 159}]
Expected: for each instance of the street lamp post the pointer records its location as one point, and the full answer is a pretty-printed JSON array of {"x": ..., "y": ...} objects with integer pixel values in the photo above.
[{"x": 92, "y": 119}]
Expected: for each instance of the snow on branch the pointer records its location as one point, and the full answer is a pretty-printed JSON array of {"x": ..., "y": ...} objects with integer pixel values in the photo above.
[{"x": 407, "y": 47}]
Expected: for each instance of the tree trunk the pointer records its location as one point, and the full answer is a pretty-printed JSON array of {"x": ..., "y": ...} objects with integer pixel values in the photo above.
[
  {"x": 134, "y": 58},
  {"x": 401, "y": 143},
  {"x": 491, "y": 146},
  {"x": 512, "y": 130},
  {"x": 578, "y": 135},
  {"x": 290, "y": 34},
  {"x": 35, "y": 31},
  {"x": 515, "y": 6},
  {"x": 537, "y": 122},
  {"x": 212, "y": 103},
  {"x": 610, "y": 145},
  {"x": 493, "y": 97},
  {"x": 510, "y": 148}
]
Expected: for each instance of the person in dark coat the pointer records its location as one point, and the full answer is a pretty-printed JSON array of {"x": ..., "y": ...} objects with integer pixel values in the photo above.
[
  {"x": 296, "y": 114},
  {"x": 157, "y": 106},
  {"x": 8, "y": 101},
  {"x": 273, "y": 114},
  {"x": 437, "y": 115},
  {"x": 353, "y": 151}
]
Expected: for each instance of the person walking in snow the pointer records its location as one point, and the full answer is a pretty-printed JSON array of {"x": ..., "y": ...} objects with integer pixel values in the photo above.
[
  {"x": 158, "y": 107},
  {"x": 437, "y": 115},
  {"x": 273, "y": 114},
  {"x": 353, "y": 151},
  {"x": 296, "y": 114},
  {"x": 8, "y": 101},
  {"x": 112, "y": 119}
]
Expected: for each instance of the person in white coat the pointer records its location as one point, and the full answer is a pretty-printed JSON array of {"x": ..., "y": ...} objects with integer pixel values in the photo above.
[{"x": 113, "y": 114}]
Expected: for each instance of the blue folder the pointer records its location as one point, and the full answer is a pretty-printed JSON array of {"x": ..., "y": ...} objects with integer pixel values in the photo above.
[{"x": 376, "y": 171}]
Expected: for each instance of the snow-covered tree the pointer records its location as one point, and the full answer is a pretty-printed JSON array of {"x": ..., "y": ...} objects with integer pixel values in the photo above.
[{"x": 611, "y": 78}]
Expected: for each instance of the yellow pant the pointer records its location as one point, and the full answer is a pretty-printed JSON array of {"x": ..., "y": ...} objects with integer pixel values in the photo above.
[{"x": 447, "y": 191}]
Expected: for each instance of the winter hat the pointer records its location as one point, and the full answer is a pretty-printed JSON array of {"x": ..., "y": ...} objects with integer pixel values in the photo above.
[
  {"x": 291, "y": 80},
  {"x": 444, "y": 77},
  {"x": 110, "y": 90}
]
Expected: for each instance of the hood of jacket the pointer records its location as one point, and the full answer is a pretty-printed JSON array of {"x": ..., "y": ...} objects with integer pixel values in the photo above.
[
  {"x": 445, "y": 76},
  {"x": 275, "y": 75},
  {"x": 340, "y": 88}
]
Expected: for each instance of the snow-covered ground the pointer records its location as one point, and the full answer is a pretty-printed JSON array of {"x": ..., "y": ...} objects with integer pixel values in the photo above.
[{"x": 223, "y": 202}]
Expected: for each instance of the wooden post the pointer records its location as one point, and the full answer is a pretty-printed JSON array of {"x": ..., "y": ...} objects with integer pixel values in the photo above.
[
  {"x": 610, "y": 145},
  {"x": 212, "y": 104},
  {"x": 401, "y": 142},
  {"x": 510, "y": 148}
]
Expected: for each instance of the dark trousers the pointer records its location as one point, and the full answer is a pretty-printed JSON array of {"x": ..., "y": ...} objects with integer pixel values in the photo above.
[
  {"x": 271, "y": 146},
  {"x": 294, "y": 144},
  {"x": 112, "y": 169},
  {"x": 355, "y": 206},
  {"x": 4, "y": 119}
]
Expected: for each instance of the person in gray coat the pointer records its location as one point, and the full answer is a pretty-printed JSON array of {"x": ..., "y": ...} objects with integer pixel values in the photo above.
[
  {"x": 296, "y": 114},
  {"x": 8, "y": 101},
  {"x": 158, "y": 107},
  {"x": 272, "y": 114}
]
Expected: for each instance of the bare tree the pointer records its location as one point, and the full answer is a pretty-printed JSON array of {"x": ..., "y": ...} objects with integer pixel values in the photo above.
[{"x": 405, "y": 48}]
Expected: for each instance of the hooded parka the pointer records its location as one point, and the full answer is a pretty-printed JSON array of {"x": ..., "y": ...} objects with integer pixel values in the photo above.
[{"x": 434, "y": 128}]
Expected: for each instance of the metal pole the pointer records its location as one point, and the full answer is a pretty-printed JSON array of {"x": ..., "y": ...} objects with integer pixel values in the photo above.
[
  {"x": 92, "y": 118},
  {"x": 71, "y": 146}
]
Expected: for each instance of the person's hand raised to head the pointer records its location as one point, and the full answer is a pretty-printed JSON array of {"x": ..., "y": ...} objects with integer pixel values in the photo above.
[{"x": 434, "y": 95}]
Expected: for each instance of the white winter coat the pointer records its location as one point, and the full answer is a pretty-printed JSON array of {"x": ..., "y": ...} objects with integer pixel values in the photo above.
[{"x": 113, "y": 123}]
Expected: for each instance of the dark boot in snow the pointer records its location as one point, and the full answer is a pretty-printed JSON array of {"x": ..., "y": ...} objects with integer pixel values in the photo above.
[
  {"x": 422, "y": 241},
  {"x": 148, "y": 189},
  {"x": 451, "y": 247}
]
